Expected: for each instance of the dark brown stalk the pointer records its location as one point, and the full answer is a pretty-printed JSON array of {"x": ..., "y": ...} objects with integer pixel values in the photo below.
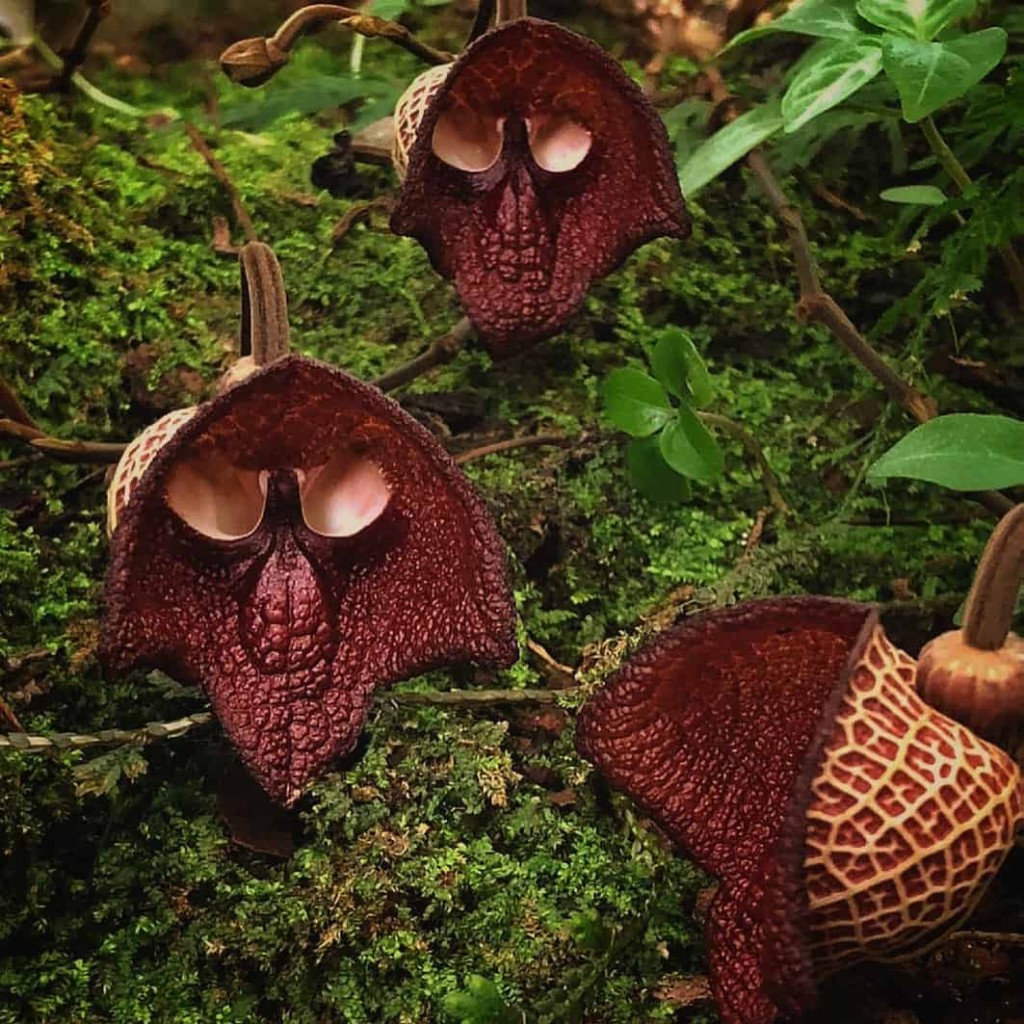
[
  {"x": 993, "y": 596},
  {"x": 96, "y": 11},
  {"x": 241, "y": 213},
  {"x": 79, "y": 451},
  {"x": 442, "y": 350},
  {"x": 756, "y": 452}
]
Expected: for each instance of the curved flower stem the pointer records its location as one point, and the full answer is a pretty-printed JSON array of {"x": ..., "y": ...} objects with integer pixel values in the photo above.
[
  {"x": 307, "y": 19},
  {"x": 993, "y": 596},
  {"x": 962, "y": 180},
  {"x": 482, "y": 21},
  {"x": 264, "y": 334}
]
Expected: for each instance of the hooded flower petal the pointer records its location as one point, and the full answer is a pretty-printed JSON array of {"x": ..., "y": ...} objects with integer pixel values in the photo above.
[
  {"x": 538, "y": 167},
  {"x": 296, "y": 543}
]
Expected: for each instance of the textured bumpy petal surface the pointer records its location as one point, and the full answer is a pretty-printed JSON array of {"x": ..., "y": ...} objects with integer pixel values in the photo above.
[
  {"x": 287, "y": 629},
  {"x": 708, "y": 730},
  {"x": 523, "y": 242}
]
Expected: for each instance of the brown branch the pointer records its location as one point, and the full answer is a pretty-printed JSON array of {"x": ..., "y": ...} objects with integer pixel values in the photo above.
[
  {"x": 511, "y": 443},
  {"x": 15, "y": 428},
  {"x": 999, "y": 938},
  {"x": 97, "y": 11},
  {"x": 815, "y": 305},
  {"x": 7, "y": 715},
  {"x": 11, "y": 407},
  {"x": 479, "y": 698},
  {"x": 79, "y": 451},
  {"x": 241, "y": 213},
  {"x": 509, "y": 10},
  {"x": 442, "y": 350}
]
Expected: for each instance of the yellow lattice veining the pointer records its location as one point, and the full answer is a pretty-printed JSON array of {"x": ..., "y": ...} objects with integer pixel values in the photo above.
[
  {"x": 911, "y": 816},
  {"x": 409, "y": 114},
  {"x": 136, "y": 459}
]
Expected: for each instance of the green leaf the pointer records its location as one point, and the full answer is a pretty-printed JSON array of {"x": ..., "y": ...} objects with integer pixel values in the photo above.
[
  {"x": 689, "y": 449},
  {"x": 652, "y": 476},
  {"x": 917, "y": 195},
  {"x": 918, "y": 19},
  {"x": 727, "y": 145},
  {"x": 678, "y": 365},
  {"x": 636, "y": 402},
  {"x": 838, "y": 73},
  {"x": 963, "y": 451},
  {"x": 480, "y": 1002},
  {"x": 826, "y": 19},
  {"x": 929, "y": 75}
]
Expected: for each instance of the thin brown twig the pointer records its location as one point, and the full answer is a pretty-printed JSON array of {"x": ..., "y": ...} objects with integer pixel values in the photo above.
[
  {"x": 241, "y": 213},
  {"x": 442, "y": 350},
  {"x": 30, "y": 743},
  {"x": 15, "y": 428},
  {"x": 7, "y": 715},
  {"x": 96, "y": 12},
  {"x": 357, "y": 213},
  {"x": 999, "y": 938},
  {"x": 79, "y": 451},
  {"x": 815, "y": 305},
  {"x": 756, "y": 452},
  {"x": 511, "y": 443}
]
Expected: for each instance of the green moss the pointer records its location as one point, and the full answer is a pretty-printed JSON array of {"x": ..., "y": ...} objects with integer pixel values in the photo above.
[{"x": 440, "y": 853}]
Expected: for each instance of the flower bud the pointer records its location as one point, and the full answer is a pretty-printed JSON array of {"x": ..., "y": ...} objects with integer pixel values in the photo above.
[{"x": 252, "y": 62}]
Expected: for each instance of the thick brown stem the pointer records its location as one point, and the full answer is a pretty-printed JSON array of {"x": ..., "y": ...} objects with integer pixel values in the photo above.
[
  {"x": 264, "y": 333},
  {"x": 11, "y": 407},
  {"x": 993, "y": 597}
]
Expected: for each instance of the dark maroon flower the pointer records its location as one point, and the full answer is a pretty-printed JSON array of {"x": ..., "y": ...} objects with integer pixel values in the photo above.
[
  {"x": 538, "y": 166},
  {"x": 782, "y": 745},
  {"x": 295, "y": 543}
]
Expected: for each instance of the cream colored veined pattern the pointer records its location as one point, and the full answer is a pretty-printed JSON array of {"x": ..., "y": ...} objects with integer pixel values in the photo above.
[
  {"x": 409, "y": 114},
  {"x": 136, "y": 459}
]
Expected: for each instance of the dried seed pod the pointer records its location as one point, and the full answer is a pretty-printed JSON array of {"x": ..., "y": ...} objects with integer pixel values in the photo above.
[
  {"x": 409, "y": 111},
  {"x": 782, "y": 745}
]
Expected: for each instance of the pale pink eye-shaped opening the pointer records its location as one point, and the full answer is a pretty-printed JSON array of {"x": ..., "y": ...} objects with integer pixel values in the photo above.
[
  {"x": 558, "y": 143},
  {"x": 467, "y": 140},
  {"x": 216, "y": 498},
  {"x": 343, "y": 496}
]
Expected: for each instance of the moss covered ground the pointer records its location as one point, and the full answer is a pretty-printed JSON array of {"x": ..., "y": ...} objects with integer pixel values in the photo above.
[{"x": 459, "y": 843}]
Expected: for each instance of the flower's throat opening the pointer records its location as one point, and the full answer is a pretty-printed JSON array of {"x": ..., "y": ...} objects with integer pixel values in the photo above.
[
  {"x": 339, "y": 498},
  {"x": 471, "y": 141}
]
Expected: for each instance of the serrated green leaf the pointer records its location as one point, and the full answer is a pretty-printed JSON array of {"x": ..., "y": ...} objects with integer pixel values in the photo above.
[
  {"x": 919, "y": 195},
  {"x": 727, "y": 145},
  {"x": 917, "y": 19},
  {"x": 679, "y": 366},
  {"x": 930, "y": 75},
  {"x": 963, "y": 451},
  {"x": 838, "y": 73},
  {"x": 690, "y": 449},
  {"x": 652, "y": 476},
  {"x": 635, "y": 402},
  {"x": 825, "y": 19}
]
